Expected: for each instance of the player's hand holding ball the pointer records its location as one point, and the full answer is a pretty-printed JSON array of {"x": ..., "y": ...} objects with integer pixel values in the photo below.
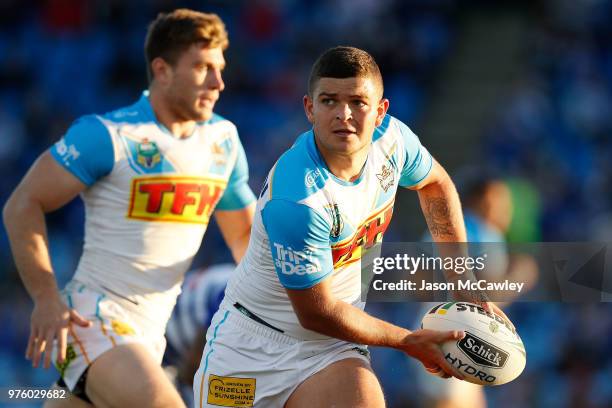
[
  {"x": 424, "y": 345},
  {"x": 490, "y": 353}
]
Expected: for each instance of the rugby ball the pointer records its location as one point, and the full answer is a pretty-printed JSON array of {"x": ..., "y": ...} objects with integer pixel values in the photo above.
[{"x": 491, "y": 353}]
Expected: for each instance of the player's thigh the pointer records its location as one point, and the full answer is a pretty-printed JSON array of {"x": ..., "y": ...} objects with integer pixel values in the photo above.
[
  {"x": 70, "y": 401},
  {"x": 349, "y": 383},
  {"x": 128, "y": 376}
]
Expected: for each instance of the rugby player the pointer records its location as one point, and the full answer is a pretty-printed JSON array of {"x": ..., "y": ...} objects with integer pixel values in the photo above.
[
  {"x": 291, "y": 330},
  {"x": 150, "y": 175}
]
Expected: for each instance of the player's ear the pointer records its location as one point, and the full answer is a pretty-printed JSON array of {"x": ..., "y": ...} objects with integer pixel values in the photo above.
[
  {"x": 382, "y": 108},
  {"x": 308, "y": 108},
  {"x": 161, "y": 70}
]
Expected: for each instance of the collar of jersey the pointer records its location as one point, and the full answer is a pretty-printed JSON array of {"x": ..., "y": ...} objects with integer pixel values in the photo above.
[
  {"x": 316, "y": 154},
  {"x": 145, "y": 104}
]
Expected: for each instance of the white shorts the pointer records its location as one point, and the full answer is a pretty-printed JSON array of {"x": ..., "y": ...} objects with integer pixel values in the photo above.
[
  {"x": 245, "y": 364},
  {"x": 112, "y": 325}
]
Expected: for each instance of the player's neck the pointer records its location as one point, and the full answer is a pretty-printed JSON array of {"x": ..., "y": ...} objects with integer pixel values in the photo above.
[
  {"x": 346, "y": 167},
  {"x": 165, "y": 115}
]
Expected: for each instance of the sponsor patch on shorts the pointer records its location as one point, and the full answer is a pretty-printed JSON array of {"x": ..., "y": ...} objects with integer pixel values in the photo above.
[
  {"x": 231, "y": 391},
  {"x": 70, "y": 356},
  {"x": 122, "y": 328}
]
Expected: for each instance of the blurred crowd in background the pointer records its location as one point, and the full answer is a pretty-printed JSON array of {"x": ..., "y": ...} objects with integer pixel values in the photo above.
[{"x": 549, "y": 134}]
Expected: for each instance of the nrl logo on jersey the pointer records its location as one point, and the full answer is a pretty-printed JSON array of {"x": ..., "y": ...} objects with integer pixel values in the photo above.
[
  {"x": 386, "y": 178},
  {"x": 147, "y": 154}
]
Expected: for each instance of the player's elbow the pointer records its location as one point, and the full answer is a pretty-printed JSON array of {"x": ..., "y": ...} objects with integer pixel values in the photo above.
[
  {"x": 9, "y": 211},
  {"x": 317, "y": 319},
  {"x": 308, "y": 321},
  {"x": 17, "y": 208}
]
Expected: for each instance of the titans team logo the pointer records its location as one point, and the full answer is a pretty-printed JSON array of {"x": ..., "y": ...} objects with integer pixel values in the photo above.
[
  {"x": 147, "y": 154},
  {"x": 386, "y": 177}
]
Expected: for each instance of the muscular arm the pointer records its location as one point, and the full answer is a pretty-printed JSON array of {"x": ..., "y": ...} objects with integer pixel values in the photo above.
[
  {"x": 441, "y": 206},
  {"x": 235, "y": 226},
  {"x": 45, "y": 188},
  {"x": 318, "y": 310},
  {"x": 442, "y": 209}
]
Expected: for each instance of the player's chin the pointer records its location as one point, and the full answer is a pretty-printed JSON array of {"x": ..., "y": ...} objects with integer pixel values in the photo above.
[{"x": 202, "y": 114}]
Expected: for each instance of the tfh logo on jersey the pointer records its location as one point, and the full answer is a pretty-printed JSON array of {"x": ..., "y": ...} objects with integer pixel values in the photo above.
[
  {"x": 175, "y": 199},
  {"x": 367, "y": 235},
  {"x": 290, "y": 261}
]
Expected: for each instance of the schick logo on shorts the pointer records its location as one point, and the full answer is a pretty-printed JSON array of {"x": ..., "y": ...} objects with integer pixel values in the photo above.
[
  {"x": 290, "y": 261},
  {"x": 482, "y": 352}
]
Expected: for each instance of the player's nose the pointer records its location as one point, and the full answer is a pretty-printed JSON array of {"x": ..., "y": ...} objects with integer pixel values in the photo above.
[
  {"x": 215, "y": 80},
  {"x": 344, "y": 112}
]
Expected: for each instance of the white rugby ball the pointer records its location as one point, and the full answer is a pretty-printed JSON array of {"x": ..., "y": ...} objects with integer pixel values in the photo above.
[{"x": 491, "y": 353}]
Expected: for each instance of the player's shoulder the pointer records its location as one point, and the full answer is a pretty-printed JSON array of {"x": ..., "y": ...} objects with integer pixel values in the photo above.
[
  {"x": 299, "y": 172},
  {"x": 217, "y": 119},
  {"x": 135, "y": 113},
  {"x": 394, "y": 137},
  {"x": 88, "y": 124},
  {"x": 388, "y": 127},
  {"x": 391, "y": 129},
  {"x": 220, "y": 125}
]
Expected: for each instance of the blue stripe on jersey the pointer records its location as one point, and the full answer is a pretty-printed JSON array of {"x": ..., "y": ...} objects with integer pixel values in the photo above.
[
  {"x": 86, "y": 150},
  {"x": 298, "y": 173},
  {"x": 237, "y": 194},
  {"x": 418, "y": 162},
  {"x": 382, "y": 129},
  {"x": 299, "y": 242}
]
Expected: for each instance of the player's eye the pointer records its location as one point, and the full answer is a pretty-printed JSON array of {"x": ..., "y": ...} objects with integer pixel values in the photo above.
[
  {"x": 327, "y": 101},
  {"x": 359, "y": 103}
]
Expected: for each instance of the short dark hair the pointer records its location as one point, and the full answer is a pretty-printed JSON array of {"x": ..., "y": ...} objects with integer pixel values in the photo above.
[
  {"x": 170, "y": 34},
  {"x": 344, "y": 62}
]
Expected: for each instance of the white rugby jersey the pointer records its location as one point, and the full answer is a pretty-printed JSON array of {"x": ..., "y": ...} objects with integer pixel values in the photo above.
[
  {"x": 309, "y": 225},
  {"x": 149, "y": 198}
]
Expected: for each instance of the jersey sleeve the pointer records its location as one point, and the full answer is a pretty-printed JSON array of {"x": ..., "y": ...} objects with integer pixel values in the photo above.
[
  {"x": 418, "y": 161},
  {"x": 86, "y": 150},
  {"x": 299, "y": 241},
  {"x": 237, "y": 194}
]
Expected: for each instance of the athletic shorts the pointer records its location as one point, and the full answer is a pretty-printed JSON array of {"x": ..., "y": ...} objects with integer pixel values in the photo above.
[
  {"x": 112, "y": 325},
  {"x": 246, "y": 364}
]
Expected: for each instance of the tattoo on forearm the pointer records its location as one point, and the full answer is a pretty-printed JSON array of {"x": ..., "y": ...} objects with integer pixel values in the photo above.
[{"x": 437, "y": 214}]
